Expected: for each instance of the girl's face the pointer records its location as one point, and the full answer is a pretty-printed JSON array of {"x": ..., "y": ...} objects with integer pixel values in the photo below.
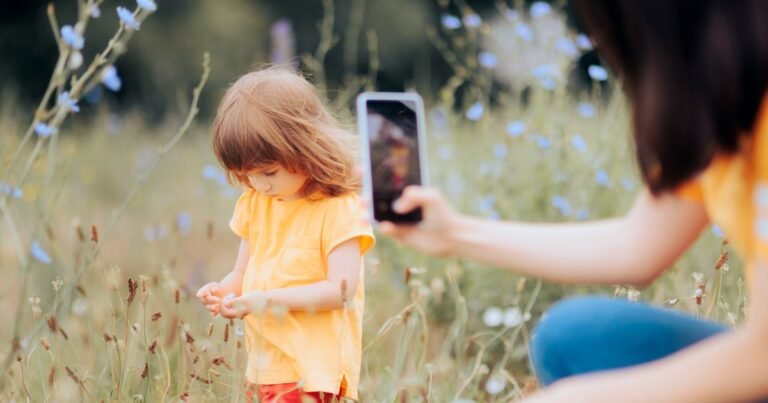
[{"x": 277, "y": 182}]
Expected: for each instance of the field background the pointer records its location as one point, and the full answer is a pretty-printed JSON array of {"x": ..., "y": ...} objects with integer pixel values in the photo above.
[{"x": 522, "y": 125}]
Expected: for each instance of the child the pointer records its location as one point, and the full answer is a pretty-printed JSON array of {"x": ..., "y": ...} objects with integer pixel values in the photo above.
[
  {"x": 298, "y": 278},
  {"x": 696, "y": 74}
]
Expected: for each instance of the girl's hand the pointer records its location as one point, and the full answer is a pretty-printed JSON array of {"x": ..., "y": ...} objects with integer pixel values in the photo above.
[
  {"x": 432, "y": 234},
  {"x": 210, "y": 296},
  {"x": 237, "y": 307}
]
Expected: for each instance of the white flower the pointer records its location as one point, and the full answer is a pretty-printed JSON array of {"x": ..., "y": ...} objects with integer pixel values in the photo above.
[
  {"x": 75, "y": 60},
  {"x": 495, "y": 384},
  {"x": 513, "y": 317},
  {"x": 493, "y": 316},
  {"x": 148, "y": 5}
]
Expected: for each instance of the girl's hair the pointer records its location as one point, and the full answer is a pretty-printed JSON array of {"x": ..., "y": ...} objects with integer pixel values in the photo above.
[
  {"x": 275, "y": 116},
  {"x": 695, "y": 72}
]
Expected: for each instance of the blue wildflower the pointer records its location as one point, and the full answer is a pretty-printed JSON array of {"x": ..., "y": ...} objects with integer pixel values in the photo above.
[
  {"x": 9, "y": 190},
  {"x": 110, "y": 78},
  {"x": 543, "y": 142},
  {"x": 488, "y": 60},
  {"x": 210, "y": 172},
  {"x": 515, "y": 128},
  {"x": 67, "y": 102},
  {"x": 567, "y": 47},
  {"x": 487, "y": 203},
  {"x": 95, "y": 11},
  {"x": 548, "y": 83},
  {"x": 43, "y": 130},
  {"x": 500, "y": 150},
  {"x": 475, "y": 112},
  {"x": 601, "y": 177},
  {"x": 585, "y": 109},
  {"x": 717, "y": 231},
  {"x": 494, "y": 216},
  {"x": 445, "y": 152},
  {"x": 561, "y": 204},
  {"x": 544, "y": 70},
  {"x": 578, "y": 143},
  {"x": 127, "y": 18},
  {"x": 450, "y": 21},
  {"x": 598, "y": 73},
  {"x": 148, "y": 5},
  {"x": 512, "y": 15},
  {"x": 524, "y": 31},
  {"x": 540, "y": 9},
  {"x": 439, "y": 118},
  {"x": 40, "y": 254},
  {"x": 628, "y": 184},
  {"x": 583, "y": 42},
  {"x": 184, "y": 222},
  {"x": 581, "y": 214},
  {"x": 71, "y": 37},
  {"x": 472, "y": 20}
]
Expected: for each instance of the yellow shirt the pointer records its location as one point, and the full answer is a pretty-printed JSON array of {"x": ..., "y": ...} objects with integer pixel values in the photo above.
[
  {"x": 734, "y": 191},
  {"x": 289, "y": 243}
]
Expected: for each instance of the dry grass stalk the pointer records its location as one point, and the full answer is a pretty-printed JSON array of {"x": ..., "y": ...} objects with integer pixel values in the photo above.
[{"x": 156, "y": 316}]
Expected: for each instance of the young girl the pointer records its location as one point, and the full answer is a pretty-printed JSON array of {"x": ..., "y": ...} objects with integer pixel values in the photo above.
[
  {"x": 298, "y": 278},
  {"x": 696, "y": 74}
]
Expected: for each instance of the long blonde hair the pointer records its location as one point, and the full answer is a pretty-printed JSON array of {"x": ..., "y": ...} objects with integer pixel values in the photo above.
[{"x": 275, "y": 116}]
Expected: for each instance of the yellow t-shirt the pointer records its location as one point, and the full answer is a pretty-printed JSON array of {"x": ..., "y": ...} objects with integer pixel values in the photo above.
[
  {"x": 289, "y": 243},
  {"x": 734, "y": 191}
]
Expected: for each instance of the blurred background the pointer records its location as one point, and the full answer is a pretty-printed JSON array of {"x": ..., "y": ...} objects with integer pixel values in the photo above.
[{"x": 523, "y": 123}]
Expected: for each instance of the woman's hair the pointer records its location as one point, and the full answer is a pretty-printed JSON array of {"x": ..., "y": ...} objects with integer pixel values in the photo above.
[
  {"x": 695, "y": 72},
  {"x": 275, "y": 116}
]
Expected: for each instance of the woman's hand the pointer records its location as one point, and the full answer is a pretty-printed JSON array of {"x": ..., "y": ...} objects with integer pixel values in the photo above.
[
  {"x": 210, "y": 296},
  {"x": 237, "y": 307},
  {"x": 433, "y": 234}
]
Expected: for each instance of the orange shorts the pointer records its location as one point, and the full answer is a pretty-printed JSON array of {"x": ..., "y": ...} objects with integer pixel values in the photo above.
[{"x": 286, "y": 393}]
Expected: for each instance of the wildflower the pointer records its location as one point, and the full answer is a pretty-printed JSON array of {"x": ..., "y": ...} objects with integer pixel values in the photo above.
[
  {"x": 127, "y": 18},
  {"x": 110, "y": 78},
  {"x": 761, "y": 196},
  {"x": 9, "y": 190},
  {"x": 540, "y": 9},
  {"x": 95, "y": 11},
  {"x": 57, "y": 283},
  {"x": 495, "y": 384},
  {"x": 633, "y": 295},
  {"x": 450, "y": 21},
  {"x": 761, "y": 228},
  {"x": 578, "y": 143},
  {"x": 512, "y": 15},
  {"x": 439, "y": 118},
  {"x": 43, "y": 130},
  {"x": 513, "y": 317},
  {"x": 628, "y": 184},
  {"x": 71, "y": 37},
  {"x": 487, "y": 202},
  {"x": 210, "y": 172},
  {"x": 717, "y": 231},
  {"x": 445, "y": 152},
  {"x": 562, "y": 205},
  {"x": 597, "y": 73},
  {"x": 475, "y": 112},
  {"x": 493, "y": 316},
  {"x": 583, "y": 42},
  {"x": 515, "y": 128},
  {"x": 283, "y": 42},
  {"x": 40, "y": 254},
  {"x": 601, "y": 177},
  {"x": 79, "y": 306},
  {"x": 585, "y": 109},
  {"x": 567, "y": 47},
  {"x": 472, "y": 20},
  {"x": 581, "y": 214},
  {"x": 67, "y": 102},
  {"x": 36, "y": 310},
  {"x": 239, "y": 331},
  {"x": 148, "y": 5},
  {"x": 488, "y": 60},
  {"x": 184, "y": 222},
  {"x": 500, "y": 150},
  {"x": 75, "y": 60},
  {"x": 524, "y": 31},
  {"x": 544, "y": 70},
  {"x": 543, "y": 142}
]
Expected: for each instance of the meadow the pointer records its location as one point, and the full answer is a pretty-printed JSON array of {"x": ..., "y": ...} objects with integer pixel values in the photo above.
[{"x": 110, "y": 224}]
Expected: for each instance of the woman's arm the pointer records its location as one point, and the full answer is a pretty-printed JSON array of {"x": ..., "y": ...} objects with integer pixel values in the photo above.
[
  {"x": 633, "y": 249},
  {"x": 730, "y": 367},
  {"x": 326, "y": 295}
]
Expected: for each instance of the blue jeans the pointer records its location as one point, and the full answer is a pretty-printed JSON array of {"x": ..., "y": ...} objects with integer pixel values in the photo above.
[{"x": 587, "y": 334}]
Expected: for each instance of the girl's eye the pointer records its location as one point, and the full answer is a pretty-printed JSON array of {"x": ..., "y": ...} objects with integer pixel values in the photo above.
[{"x": 270, "y": 173}]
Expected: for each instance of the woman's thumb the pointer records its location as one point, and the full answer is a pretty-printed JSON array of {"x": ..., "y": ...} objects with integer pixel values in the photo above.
[{"x": 413, "y": 197}]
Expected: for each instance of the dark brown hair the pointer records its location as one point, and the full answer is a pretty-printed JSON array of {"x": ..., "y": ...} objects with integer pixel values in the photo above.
[
  {"x": 695, "y": 72},
  {"x": 275, "y": 116}
]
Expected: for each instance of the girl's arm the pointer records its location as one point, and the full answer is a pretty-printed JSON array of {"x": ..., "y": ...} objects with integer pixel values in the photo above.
[
  {"x": 343, "y": 276},
  {"x": 730, "y": 367},
  {"x": 633, "y": 249}
]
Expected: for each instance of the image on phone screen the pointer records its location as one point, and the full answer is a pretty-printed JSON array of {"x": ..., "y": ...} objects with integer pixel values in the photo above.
[{"x": 392, "y": 136}]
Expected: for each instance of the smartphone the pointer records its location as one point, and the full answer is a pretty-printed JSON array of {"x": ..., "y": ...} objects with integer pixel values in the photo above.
[{"x": 393, "y": 150}]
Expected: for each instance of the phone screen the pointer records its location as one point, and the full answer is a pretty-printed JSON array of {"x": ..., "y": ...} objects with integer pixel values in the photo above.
[{"x": 393, "y": 136}]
